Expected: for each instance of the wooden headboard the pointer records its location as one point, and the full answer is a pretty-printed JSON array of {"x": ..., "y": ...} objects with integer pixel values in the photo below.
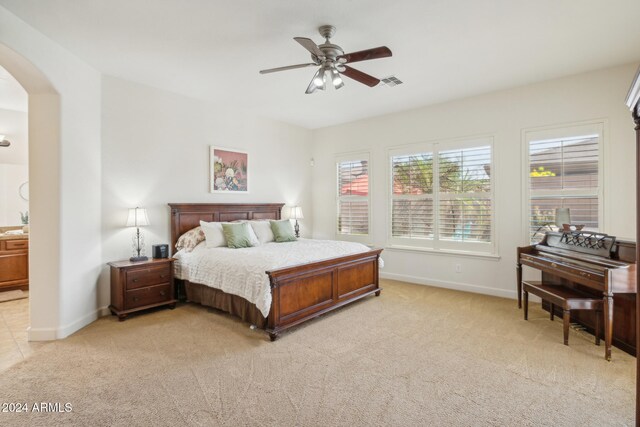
[{"x": 185, "y": 216}]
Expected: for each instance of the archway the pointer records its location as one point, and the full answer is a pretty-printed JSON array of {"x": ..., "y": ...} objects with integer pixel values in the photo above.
[{"x": 44, "y": 182}]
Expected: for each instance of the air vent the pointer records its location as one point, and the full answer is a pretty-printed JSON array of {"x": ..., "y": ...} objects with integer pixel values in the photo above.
[{"x": 391, "y": 81}]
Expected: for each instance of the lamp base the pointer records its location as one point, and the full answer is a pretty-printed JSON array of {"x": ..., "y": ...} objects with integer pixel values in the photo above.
[{"x": 138, "y": 258}]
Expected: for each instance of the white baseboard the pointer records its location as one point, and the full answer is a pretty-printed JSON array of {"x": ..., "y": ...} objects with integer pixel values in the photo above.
[
  {"x": 76, "y": 325},
  {"x": 50, "y": 334},
  {"x": 496, "y": 292},
  {"x": 43, "y": 334}
]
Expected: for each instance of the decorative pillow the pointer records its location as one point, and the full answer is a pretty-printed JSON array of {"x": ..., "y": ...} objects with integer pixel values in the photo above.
[
  {"x": 262, "y": 230},
  {"x": 238, "y": 235},
  {"x": 252, "y": 234},
  {"x": 190, "y": 239},
  {"x": 283, "y": 231},
  {"x": 214, "y": 237}
]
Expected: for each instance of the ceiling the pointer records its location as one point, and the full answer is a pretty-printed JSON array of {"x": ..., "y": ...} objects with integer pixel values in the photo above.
[{"x": 442, "y": 49}]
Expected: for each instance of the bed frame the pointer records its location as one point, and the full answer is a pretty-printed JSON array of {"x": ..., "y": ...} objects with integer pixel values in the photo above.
[{"x": 299, "y": 293}]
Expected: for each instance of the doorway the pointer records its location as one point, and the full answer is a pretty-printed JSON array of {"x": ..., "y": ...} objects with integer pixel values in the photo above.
[
  {"x": 14, "y": 221},
  {"x": 43, "y": 119}
]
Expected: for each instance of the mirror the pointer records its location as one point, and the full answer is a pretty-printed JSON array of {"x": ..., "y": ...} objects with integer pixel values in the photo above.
[{"x": 23, "y": 191}]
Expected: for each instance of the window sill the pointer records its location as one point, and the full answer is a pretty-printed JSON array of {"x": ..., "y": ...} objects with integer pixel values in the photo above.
[
  {"x": 365, "y": 239},
  {"x": 447, "y": 252}
]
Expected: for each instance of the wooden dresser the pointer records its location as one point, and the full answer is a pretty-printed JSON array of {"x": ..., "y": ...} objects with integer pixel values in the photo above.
[
  {"x": 14, "y": 263},
  {"x": 137, "y": 286}
]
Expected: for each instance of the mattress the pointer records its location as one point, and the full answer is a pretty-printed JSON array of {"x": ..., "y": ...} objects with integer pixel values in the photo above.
[{"x": 241, "y": 272}]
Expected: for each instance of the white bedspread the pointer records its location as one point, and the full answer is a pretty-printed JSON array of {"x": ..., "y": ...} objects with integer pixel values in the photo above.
[{"x": 242, "y": 271}]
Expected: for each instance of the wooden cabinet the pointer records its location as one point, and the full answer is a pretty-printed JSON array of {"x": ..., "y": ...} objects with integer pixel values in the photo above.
[
  {"x": 14, "y": 264},
  {"x": 633, "y": 102},
  {"x": 137, "y": 286}
]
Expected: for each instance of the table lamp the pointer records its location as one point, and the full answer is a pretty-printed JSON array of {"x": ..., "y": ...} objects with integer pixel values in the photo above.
[
  {"x": 296, "y": 213},
  {"x": 138, "y": 218},
  {"x": 563, "y": 216}
]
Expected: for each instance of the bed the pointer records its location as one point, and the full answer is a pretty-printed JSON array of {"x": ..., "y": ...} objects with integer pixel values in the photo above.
[{"x": 298, "y": 293}]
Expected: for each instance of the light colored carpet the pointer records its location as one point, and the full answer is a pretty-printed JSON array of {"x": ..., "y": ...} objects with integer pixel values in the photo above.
[
  {"x": 414, "y": 356},
  {"x": 13, "y": 295}
]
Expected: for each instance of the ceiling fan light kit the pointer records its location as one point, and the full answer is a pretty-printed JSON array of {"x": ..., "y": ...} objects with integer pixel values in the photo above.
[
  {"x": 318, "y": 80},
  {"x": 337, "y": 80},
  {"x": 4, "y": 142},
  {"x": 332, "y": 62}
]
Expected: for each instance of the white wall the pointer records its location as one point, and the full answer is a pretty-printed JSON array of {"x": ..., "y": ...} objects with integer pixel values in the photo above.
[
  {"x": 595, "y": 95},
  {"x": 14, "y": 165},
  {"x": 64, "y": 178},
  {"x": 156, "y": 151}
]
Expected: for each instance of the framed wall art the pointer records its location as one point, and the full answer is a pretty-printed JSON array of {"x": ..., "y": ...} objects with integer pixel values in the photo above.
[{"x": 229, "y": 170}]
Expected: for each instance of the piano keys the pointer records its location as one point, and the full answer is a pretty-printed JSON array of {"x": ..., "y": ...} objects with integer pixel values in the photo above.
[{"x": 594, "y": 263}]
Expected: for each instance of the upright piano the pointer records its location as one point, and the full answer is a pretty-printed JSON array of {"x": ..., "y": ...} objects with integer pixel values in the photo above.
[{"x": 594, "y": 263}]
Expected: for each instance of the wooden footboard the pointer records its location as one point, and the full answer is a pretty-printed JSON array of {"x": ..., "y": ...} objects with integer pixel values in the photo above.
[{"x": 306, "y": 291}]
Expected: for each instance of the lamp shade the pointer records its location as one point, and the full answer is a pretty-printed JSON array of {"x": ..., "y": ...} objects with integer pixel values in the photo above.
[
  {"x": 137, "y": 217},
  {"x": 295, "y": 213},
  {"x": 563, "y": 216}
]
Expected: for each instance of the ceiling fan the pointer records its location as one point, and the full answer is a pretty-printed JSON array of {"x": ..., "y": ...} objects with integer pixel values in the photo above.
[{"x": 332, "y": 62}]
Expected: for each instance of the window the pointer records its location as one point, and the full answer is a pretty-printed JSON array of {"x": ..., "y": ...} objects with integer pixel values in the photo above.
[
  {"x": 442, "y": 196},
  {"x": 465, "y": 194},
  {"x": 564, "y": 171},
  {"x": 353, "y": 195},
  {"x": 412, "y": 200}
]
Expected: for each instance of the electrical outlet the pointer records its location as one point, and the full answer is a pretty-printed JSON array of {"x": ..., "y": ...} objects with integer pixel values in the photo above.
[{"x": 458, "y": 268}]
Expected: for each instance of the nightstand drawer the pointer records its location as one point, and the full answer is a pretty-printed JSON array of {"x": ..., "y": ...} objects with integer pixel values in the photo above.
[
  {"x": 147, "y": 296},
  {"x": 140, "y": 285},
  {"x": 11, "y": 245},
  {"x": 139, "y": 278}
]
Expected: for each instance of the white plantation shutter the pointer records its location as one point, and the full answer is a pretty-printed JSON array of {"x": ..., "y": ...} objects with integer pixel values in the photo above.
[
  {"x": 353, "y": 196},
  {"x": 412, "y": 196},
  {"x": 412, "y": 218},
  {"x": 584, "y": 210},
  {"x": 465, "y": 194},
  {"x": 353, "y": 217},
  {"x": 563, "y": 173},
  {"x": 442, "y": 196}
]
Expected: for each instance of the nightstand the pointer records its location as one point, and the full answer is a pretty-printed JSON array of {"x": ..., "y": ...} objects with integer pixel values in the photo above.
[{"x": 136, "y": 286}]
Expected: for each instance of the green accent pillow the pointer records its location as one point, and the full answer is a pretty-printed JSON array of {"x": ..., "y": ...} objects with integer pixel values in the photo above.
[
  {"x": 283, "y": 231},
  {"x": 237, "y": 234}
]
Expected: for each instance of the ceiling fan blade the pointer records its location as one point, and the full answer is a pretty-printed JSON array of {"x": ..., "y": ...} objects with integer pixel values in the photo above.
[
  {"x": 365, "y": 55},
  {"x": 310, "y": 46},
  {"x": 359, "y": 76},
  {"x": 288, "y": 67}
]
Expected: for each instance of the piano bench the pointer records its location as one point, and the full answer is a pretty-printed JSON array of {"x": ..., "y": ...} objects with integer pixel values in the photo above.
[{"x": 565, "y": 297}]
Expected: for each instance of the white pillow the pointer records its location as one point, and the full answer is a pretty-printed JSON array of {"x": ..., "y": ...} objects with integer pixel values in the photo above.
[
  {"x": 263, "y": 231},
  {"x": 214, "y": 237},
  {"x": 253, "y": 237}
]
